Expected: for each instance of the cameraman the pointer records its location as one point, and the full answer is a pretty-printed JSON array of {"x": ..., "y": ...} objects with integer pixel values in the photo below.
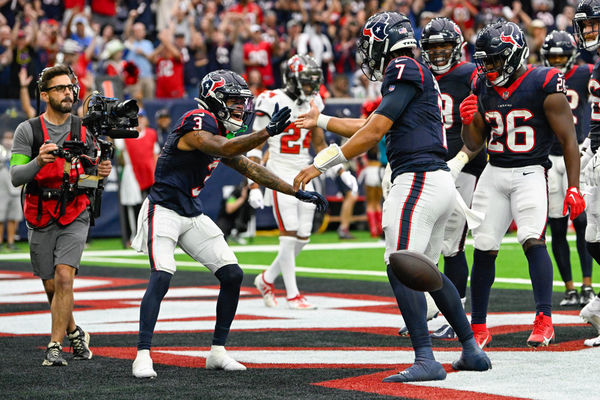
[{"x": 58, "y": 223}]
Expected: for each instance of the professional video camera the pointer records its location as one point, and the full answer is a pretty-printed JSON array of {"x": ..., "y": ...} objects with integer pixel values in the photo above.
[{"x": 106, "y": 116}]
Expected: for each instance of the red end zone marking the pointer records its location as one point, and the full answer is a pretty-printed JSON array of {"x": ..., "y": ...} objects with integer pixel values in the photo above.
[{"x": 372, "y": 384}]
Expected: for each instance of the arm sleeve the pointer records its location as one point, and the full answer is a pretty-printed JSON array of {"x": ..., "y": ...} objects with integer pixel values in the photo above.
[
  {"x": 393, "y": 103},
  {"x": 22, "y": 174}
]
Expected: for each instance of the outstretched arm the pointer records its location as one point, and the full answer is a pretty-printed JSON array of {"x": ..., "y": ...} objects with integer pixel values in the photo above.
[
  {"x": 342, "y": 126},
  {"x": 259, "y": 174}
]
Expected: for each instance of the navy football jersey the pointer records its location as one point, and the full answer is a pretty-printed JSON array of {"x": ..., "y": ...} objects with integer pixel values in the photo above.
[
  {"x": 416, "y": 141},
  {"x": 455, "y": 86},
  {"x": 520, "y": 134},
  {"x": 576, "y": 80},
  {"x": 180, "y": 175},
  {"x": 594, "y": 90}
]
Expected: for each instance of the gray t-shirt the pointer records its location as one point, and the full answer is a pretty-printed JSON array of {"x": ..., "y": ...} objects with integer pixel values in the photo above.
[{"x": 23, "y": 143}]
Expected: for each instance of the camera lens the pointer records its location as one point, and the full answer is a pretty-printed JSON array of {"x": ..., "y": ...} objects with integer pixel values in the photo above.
[{"x": 127, "y": 109}]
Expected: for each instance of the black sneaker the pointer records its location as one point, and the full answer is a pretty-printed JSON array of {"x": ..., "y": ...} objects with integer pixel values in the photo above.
[
  {"x": 80, "y": 343},
  {"x": 587, "y": 295},
  {"x": 54, "y": 356},
  {"x": 571, "y": 298}
]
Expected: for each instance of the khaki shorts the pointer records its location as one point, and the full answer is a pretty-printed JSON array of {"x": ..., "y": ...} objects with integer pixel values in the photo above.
[{"x": 55, "y": 244}]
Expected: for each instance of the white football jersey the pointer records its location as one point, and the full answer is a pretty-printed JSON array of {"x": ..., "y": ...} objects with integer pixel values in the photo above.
[{"x": 289, "y": 151}]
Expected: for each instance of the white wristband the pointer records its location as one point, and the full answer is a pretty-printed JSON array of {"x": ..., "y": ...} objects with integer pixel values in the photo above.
[
  {"x": 329, "y": 157},
  {"x": 255, "y": 153},
  {"x": 462, "y": 157},
  {"x": 322, "y": 121}
]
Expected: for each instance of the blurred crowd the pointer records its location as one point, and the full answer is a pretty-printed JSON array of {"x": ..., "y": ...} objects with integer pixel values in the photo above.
[{"x": 163, "y": 48}]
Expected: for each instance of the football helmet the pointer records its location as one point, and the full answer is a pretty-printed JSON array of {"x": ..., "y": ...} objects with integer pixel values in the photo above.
[
  {"x": 559, "y": 43},
  {"x": 225, "y": 94},
  {"x": 441, "y": 31},
  {"x": 383, "y": 33},
  {"x": 500, "y": 49},
  {"x": 588, "y": 12},
  {"x": 302, "y": 77}
]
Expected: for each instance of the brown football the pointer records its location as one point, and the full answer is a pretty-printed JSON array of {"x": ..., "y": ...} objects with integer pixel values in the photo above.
[{"x": 416, "y": 271}]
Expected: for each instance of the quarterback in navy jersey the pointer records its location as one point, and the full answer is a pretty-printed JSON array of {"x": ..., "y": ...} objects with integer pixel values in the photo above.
[
  {"x": 560, "y": 51},
  {"x": 422, "y": 194},
  {"x": 518, "y": 110},
  {"x": 587, "y": 31},
  {"x": 442, "y": 44},
  {"x": 172, "y": 214}
]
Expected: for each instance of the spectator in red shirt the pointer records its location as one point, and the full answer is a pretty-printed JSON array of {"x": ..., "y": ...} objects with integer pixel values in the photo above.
[
  {"x": 169, "y": 67},
  {"x": 257, "y": 56},
  {"x": 104, "y": 11},
  {"x": 250, "y": 10}
]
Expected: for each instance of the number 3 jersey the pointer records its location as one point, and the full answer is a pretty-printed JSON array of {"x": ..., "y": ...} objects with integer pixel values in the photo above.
[
  {"x": 288, "y": 151},
  {"x": 180, "y": 175},
  {"x": 519, "y": 132}
]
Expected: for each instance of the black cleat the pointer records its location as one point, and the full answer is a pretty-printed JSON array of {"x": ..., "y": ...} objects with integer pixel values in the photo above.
[
  {"x": 80, "y": 343},
  {"x": 54, "y": 356}
]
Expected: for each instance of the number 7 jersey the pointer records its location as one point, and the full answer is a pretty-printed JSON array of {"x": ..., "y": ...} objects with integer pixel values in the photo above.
[
  {"x": 520, "y": 134},
  {"x": 289, "y": 151}
]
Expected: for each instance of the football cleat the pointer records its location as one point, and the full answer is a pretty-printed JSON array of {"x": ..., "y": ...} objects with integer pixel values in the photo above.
[
  {"x": 444, "y": 332},
  {"x": 300, "y": 303},
  {"x": 469, "y": 361},
  {"x": 142, "y": 365},
  {"x": 481, "y": 335},
  {"x": 80, "y": 343},
  {"x": 571, "y": 298},
  {"x": 267, "y": 290},
  {"x": 54, "y": 356},
  {"x": 591, "y": 313},
  {"x": 543, "y": 331},
  {"x": 428, "y": 370},
  {"x": 345, "y": 234},
  {"x": 218, "y": 359},
  {"x": 587, "y": 295},
  {"x": 594, "y": 342}
]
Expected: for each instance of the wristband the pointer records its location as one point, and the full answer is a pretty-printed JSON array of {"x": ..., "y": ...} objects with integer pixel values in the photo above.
[
  {"x": 462, "y": 157},
  {"x": 255, "y": 153},
  {"x": 329, "y": 157},
  {"x": 322, "y": 121}
]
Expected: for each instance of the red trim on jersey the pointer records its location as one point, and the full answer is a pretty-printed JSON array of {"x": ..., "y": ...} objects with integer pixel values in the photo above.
[
  {"x": 549, "y": 75},
  {"x": 196, "y": 110},
  {"x": 591, "y": 67},
  {"x": 514, "y": 86},
  {"x": 151, "y": 212},
  {"x": 418, "y": 66},
  {"x": 438, "y": 77},
  {"x": 277, "y": 213},
  {"x": 543, "y": 235},
  {"x": 570, "y": 73},
  {"x": 412, "y": 205},
  {"x": 474, "y": 77}
]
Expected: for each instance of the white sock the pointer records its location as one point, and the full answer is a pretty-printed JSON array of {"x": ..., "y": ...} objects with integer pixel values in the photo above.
[
  {"x": 300, "y": 243},
  {"x": 287, "y": 262}
]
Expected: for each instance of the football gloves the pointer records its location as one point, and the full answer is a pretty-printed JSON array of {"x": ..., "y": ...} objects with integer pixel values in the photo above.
[
  {"x": 313, "y": 197},
  {"x": 279, "y": 121},
  {"x": 573, "y": 201},
  {"x": 467, "y": 109},
  {"x": 255, "y": 199}
]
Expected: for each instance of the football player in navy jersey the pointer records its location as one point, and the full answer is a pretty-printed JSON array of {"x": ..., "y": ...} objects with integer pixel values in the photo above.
[
  {"x": 173, "y": 214},
  {"x": 560, "y": 51},
  {"x": 518, "y": 110},
  {"x": 442, "y": 43},
  {"x": 587, "y": 30},
  {"x": 422, "y": 194}
]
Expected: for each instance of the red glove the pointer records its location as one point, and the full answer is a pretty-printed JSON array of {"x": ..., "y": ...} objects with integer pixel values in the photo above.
[
  {"x": 468, "y": 108},
  {"x": 573, "y": 200}
]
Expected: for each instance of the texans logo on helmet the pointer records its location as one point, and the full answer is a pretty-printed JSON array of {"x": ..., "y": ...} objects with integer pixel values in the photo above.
[
  {"x": 211, "y": 85},
  {"x": 378, "y": 28},
  {"x": 509, "y": 39}
]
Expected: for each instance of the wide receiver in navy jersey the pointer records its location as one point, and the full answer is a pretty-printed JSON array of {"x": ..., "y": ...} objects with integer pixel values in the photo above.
[
  {"x": 560, "y": 51},
  {"x": 518, "y": 110},
  {"x": 422, "y": 194},
  {"x": 587, "y": 29},
  {"x": 442, "y": 43},
  {"x": 173, "y": 214}
]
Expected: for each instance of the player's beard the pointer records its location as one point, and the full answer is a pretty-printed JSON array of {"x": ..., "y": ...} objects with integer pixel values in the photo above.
[{"x": 63, "y": 106}]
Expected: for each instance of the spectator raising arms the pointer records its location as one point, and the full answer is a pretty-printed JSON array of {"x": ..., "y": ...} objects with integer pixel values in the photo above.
[{"x": 169, "y": 67}]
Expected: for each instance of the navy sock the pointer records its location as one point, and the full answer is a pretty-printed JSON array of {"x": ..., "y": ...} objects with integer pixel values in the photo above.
[
  {"x": 483, "y": 274},
  {"x": 158, "y": 285},
  {"x": 448, "y": 301},
  {"x": 594, "y": 250},
  {"x": 457, "y": 270},
  {"x": 413, "y": 307},
  {"x": 230, "y": 277},
  {"x": 541, "y": 271},
  {"x": 585, "y": 258},
  {"x": 560, "y": 247}
]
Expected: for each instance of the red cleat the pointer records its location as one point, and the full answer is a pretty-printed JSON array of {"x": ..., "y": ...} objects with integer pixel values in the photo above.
[
  {"x": 481, "y": 335},
  {"x": 543, "y": 331}
]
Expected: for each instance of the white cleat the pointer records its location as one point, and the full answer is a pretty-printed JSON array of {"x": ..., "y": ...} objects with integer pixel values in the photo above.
[
  {"x": 594, "y": 342},
  {"x": 300, "y": 303},
  {"x": 218, "y": 359},
  {"x": 267, "y": 290},
  {"x": 591, "y": 313},
  {"x": 142, "y": 365}
]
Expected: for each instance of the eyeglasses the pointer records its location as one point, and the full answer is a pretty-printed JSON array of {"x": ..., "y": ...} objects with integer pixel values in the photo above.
[{"x": 61, "y": 88}]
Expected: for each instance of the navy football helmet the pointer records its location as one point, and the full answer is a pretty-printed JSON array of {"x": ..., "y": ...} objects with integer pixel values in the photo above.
[
  {"x": 587, "y": 13},
  {"x": 383, "y": 33},
  {"x": 302, "y": 77},
  {"x": 441, "y": 31},
  {"x": 225, "y": 94},
  {"x": 559, "y": 44},
  {"x": 500, "y": 49}
]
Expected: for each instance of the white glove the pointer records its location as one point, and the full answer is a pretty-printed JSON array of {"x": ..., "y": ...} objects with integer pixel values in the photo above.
[
  {"x": 386, "y": 181},
  {"x": 591, "y": 173},
  {"x": 457, "y": 163},
  {"x": 255, "y": 199},
  {"x": 350, "y": 181},
  {"x": 585, "y": 152}
]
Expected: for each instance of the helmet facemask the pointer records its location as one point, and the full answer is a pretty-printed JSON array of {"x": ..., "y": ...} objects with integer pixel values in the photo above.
[
  {"x": 239, "y": 112},
  {"x": 587, "y": 31},
  {"x": 371, "y": 57},
  {"x": 498, "y": 68},
  {"x": 441, "y": 56}
]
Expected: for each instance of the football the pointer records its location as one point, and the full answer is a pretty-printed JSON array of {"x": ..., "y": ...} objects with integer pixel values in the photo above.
[{"x": 416, "y": 271}]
